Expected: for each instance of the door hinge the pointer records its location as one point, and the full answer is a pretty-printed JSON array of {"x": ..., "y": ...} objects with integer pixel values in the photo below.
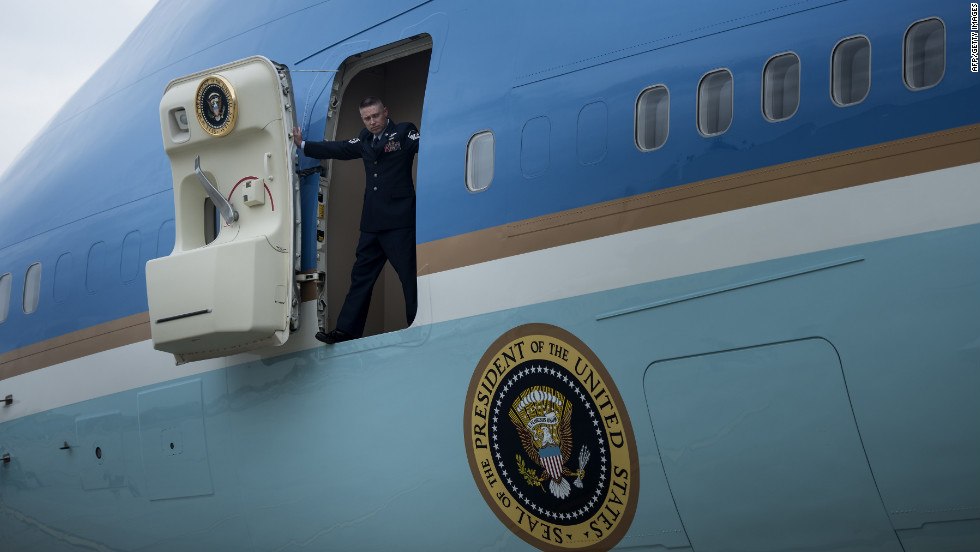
[
  {"x": 307, "y": 172},
  {"x": 308, "y": 277}
]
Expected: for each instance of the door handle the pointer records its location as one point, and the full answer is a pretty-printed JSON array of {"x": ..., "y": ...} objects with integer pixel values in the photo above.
[{"x": 223, "y": 205}]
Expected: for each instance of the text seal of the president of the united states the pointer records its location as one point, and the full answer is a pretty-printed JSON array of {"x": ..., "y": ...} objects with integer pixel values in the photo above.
[{"x": 549, "y": 441}]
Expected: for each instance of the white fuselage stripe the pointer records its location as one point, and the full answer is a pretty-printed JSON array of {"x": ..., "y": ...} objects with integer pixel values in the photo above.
[{"x": 903, "y": 206}]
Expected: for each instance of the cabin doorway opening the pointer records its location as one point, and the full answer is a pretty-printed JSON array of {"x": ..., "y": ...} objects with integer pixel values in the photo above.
[{"x": 397, "y": 73}]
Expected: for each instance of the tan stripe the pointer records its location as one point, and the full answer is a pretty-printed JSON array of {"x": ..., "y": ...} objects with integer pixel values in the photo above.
[
  {"x": 307, "y": 290},
  {"x": 63, "y": 348},
  {"x": 921, "y": 154},
  {"x": 95, "y": 339}
]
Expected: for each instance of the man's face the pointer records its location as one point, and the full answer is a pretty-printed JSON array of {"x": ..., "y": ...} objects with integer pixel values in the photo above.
[{"x": 375, "y": 118}]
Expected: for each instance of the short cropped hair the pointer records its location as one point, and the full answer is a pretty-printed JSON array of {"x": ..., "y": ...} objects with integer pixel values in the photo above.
[{"x": 369, "y": 101}]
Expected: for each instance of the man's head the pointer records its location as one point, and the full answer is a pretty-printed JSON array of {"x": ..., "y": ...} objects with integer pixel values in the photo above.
[{"x": 374, "y": 114}]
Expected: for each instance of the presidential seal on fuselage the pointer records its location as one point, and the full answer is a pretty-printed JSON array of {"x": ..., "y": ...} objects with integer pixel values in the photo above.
[
  {"x": 549, "y": 441},
  {"x": 216, "y": 105}
]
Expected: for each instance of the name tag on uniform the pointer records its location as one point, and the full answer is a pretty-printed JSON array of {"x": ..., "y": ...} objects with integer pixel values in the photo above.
[{"x": 393, "y": 146}]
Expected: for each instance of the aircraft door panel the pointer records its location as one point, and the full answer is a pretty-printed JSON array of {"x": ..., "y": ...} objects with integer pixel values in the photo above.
[
  {"x": 172, "y": 441},
  {"x": 101, "y": 456},
  {"x": 761, "y": 451},
  {"x": 227, "y": 134}
]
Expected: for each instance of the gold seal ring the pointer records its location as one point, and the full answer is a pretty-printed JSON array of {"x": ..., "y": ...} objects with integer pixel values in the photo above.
[
  {"x": 549, "y": 442},
  {"x": 216, "y": 105}
]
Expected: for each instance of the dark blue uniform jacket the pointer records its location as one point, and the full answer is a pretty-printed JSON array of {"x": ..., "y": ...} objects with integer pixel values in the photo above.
[{"x": 389, "y": 196}]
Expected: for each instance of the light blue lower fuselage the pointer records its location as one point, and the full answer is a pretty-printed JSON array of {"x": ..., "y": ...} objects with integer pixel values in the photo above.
[{"x": 274, "y": 454}]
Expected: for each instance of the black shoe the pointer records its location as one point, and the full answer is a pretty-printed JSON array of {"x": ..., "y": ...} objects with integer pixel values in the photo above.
[{"x": 333, "y": 336}]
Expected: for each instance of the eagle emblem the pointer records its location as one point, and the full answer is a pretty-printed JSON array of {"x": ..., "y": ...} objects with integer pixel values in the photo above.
[
  {"x": 543, "y": 418},
  {"x": 215, "y": 101}
]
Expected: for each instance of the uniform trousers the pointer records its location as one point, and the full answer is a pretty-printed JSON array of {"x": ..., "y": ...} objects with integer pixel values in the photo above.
[{"x": 373, "y": 249}]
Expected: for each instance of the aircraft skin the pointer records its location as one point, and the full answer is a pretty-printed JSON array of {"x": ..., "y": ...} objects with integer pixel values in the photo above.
[{"x": 790, "y": 310}]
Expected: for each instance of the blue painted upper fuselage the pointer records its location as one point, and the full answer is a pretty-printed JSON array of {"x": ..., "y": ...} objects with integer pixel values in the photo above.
[{"x": 93, "y": 191}]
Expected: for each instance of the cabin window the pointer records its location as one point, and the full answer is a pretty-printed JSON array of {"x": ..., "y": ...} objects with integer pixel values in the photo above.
[
  {"x": 715, "y": 96},
  {"x": 781, "y": 87},
  {"x": 925, "y": 54},
  {"x": 593, "y": 133},
  {"x": 850, "y": 78},
  {"x": 95, "y": 268},
  {"x": 32, "y": 288},
  {"x": 165, "y": 238},
  {"x": 5, "y": 283},
  {"x": 535, "y": 148},
  {"x": 63, "y": 278},
  {"x": 479, "y": 161},
  {"x": 652, "y": 118},
  {"x": 129, "y": 261}
]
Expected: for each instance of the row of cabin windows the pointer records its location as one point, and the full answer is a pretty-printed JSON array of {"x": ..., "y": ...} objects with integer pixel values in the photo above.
[
  {"x": 923, "y": 67},
  {"x": 924, "y": 63},
  {"x": 98, "y": 271},
  {"x": 93, "y": 276},
  {"x": 32, "y": 291}
]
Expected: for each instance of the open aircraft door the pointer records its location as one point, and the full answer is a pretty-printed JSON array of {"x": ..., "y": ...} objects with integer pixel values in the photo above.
[{"x": 229, "y": 285}]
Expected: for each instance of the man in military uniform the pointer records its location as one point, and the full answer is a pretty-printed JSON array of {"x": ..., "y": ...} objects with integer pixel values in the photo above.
[{"x": 388, "y": 216}]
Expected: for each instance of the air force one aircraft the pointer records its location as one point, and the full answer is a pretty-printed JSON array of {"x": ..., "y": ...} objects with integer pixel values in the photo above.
[{"x": 692, "y": 276}]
